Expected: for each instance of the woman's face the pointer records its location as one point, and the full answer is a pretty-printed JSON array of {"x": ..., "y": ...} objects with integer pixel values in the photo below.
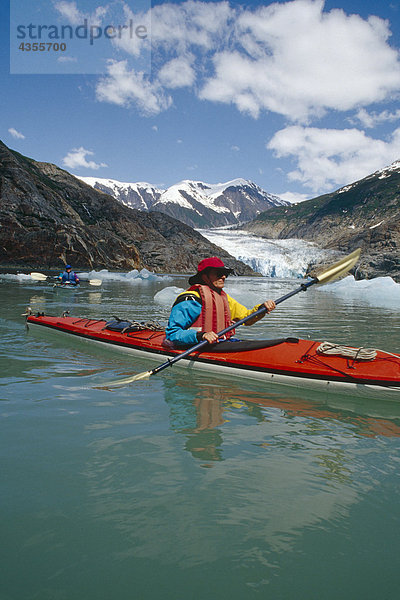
[{"x": 215, "y": 278}]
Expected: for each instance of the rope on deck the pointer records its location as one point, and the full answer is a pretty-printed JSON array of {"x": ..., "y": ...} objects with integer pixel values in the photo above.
[{"x": 346, "y": 351}]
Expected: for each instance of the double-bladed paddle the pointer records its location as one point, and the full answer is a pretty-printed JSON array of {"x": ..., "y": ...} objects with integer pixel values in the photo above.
[
  {"x": 43, "y": 277},
  {"x": 333, "y": 272},
  {"x": 38, "y": 276}
]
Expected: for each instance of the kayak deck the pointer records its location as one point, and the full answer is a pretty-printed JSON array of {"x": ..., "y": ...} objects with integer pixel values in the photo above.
[{"x": 291, "y": 361}]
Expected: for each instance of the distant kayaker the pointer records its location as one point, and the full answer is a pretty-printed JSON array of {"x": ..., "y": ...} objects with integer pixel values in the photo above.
[
  {"x": 204, "y": 309},
  {"x": 69, "y": 276}
]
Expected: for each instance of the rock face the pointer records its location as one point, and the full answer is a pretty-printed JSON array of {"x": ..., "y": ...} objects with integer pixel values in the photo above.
[
  {"x": 365, "y": 214},
  {"x": 195, "y": 203},
  {"x": 49, "y": 218}
]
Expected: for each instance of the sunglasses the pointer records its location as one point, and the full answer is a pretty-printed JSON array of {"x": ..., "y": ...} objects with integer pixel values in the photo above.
[{"x": 221, "y": 272}]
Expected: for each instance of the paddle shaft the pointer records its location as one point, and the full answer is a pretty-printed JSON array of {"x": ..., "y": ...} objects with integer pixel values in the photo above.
[{"x": 261, "y": 311}]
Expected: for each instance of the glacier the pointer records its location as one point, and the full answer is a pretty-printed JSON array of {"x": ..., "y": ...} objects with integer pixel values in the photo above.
[{"x": 272, "y": 258}]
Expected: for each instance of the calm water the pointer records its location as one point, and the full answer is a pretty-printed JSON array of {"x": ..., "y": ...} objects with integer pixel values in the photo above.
[{"x": 203, "y": 489}]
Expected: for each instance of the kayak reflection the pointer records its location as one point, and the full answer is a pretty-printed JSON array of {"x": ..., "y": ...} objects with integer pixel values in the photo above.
[{"x": 201, "y": 411}]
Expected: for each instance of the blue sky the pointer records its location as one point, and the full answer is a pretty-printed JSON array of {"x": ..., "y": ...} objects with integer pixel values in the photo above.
[{"x": 300, "y": 97}]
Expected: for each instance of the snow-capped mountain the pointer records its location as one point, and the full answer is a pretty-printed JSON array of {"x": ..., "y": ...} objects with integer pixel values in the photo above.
[
  {"x": 393, "y": 168},
  {"x": 139, "y": 195},
  {"x": 195, "y": 203}
]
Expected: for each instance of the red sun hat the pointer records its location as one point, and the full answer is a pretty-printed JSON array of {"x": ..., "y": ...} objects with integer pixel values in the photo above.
[{"x": 208, "y": 263}]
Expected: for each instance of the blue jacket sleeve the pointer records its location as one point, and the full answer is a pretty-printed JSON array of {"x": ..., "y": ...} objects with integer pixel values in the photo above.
[{"x": 181, "y": 318}]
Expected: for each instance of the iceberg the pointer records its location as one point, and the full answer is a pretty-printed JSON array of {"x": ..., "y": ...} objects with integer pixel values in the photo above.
[
  {"x": 380, "y": 291},
  {"x": 168, "y": 295},
  {"x": 133, "y": 276}
]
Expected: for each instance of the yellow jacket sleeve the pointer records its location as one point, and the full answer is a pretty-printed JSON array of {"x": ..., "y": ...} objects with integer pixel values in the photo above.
[{"x": 238, "y": 311}]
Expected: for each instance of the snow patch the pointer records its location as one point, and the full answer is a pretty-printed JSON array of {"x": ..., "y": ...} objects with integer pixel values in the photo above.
[{"x": 377, "y": 225}]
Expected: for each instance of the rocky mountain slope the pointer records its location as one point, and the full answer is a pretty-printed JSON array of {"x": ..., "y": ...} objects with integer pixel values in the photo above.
[
  {"x": 48, "y": 218},
  {"x": 363, "y": 214},
  {"x": 195, "y": 203}
]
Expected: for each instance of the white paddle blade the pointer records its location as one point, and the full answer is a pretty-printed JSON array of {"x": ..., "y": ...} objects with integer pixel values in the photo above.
[
  {"x": 38, "y": 276},
  {"x": 95, "y": 281}
]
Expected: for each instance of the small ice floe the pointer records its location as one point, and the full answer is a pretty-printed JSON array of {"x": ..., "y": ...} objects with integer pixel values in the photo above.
[
  {"x": 380, "y": 291},
  {"x": 168, "y": 295},
  {"x": 17, "y": 278},
  {"x": 134, "y": 276}
]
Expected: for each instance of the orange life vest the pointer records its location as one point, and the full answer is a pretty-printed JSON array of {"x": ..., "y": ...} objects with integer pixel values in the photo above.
[{"x": 215, "y": 312}]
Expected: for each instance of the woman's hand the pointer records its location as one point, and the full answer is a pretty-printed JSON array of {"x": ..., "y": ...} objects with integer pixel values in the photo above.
[
  {"x": 210, "y": 336},
  {"x": 269, "y": 305}
]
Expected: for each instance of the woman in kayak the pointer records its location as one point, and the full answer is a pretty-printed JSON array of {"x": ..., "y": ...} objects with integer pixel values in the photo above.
[
  {"x": 69, "y": 276},
  {"x": 204, "y": 309}
]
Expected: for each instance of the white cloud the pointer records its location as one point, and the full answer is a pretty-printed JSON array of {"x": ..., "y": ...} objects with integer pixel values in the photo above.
[
  {"x": 371, "y": 119},
  {"x": 298, "y": 61},
  {"x": 125, "y": 87},
  {"x": 71, "y": 12},
  {"x": 330, "y": 157},
  {"x": 290, "y": 58},
  {"x": 126, "y": 41},
  {"x": 67, "y": 59},
  {"x": 177, "y": 73},
  {"x": 16, "y": 134},
  {"x": 76, "y": 158},
  {"x": 201, "y": 25},
  {"x": 293, "y": 197}
]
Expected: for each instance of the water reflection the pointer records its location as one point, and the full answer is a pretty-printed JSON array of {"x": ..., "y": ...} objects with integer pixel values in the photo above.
[
  {"x": 94, "y": 297},
  {"x": 117, "y": 482},
  {"x": 281, "y": 465},
  {"x": 201, "y": 418},
  {"x": 201, "y": 412},
  {"x": 37, "y": 300}
]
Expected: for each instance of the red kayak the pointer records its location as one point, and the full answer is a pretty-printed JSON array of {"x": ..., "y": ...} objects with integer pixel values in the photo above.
[{"x": 289, "y": 361}]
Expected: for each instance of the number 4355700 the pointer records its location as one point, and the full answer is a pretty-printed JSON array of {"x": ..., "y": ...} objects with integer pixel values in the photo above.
[{"x": 42, "y": 47}]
